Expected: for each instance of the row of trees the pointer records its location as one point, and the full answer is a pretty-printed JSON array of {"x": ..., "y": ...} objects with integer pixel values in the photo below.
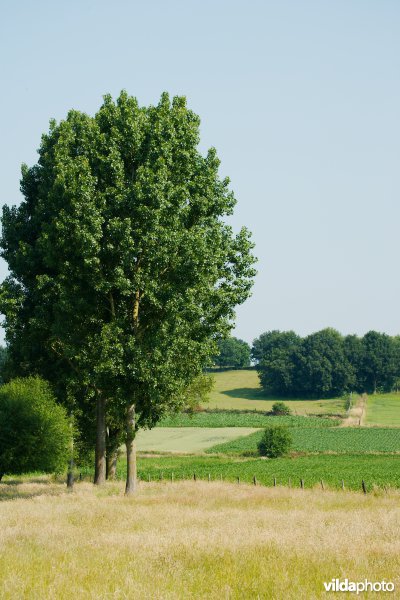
[
  {"x": 123, "y": 271},
  {"x": 326, "y": 364}
]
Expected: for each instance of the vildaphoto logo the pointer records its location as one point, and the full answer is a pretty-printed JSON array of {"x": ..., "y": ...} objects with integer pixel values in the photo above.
[{"x": 344, "y": 585}]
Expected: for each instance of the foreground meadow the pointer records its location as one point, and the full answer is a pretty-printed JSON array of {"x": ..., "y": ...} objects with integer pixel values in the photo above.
[{"x": 191, "y": 540}]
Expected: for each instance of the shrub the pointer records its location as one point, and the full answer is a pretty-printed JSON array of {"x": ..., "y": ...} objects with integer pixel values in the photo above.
[
  {"x": 276, "y": 441},
  {"x": 280, "y": 408},
  {"x": 35, "y": 433}
]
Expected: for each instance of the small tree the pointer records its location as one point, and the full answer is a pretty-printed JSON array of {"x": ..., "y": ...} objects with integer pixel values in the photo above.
[
  {"x": 276, "y": 441},
  {"x": 35, "y": 433},
  {"x": 281, "y": 409}
]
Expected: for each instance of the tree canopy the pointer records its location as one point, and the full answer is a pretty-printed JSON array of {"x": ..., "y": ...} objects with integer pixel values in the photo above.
[
  {"x": 123, "y": 272},
  {"x": 233, "y": 352}
]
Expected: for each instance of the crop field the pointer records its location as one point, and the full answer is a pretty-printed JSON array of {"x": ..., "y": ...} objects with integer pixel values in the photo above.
[
  {"x": 226, "y": 418},
  {"x": 383, "y": 409},
  {"x": 240, "y": 390},
  {"x": 186, "y": 439},
  {"x": 336, "y": 439},
  {"x": 374, "y": 469},
  {"x": 191, "y": 540}
]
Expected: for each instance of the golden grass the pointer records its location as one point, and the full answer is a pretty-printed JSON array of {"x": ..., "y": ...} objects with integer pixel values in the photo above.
[{"x": 192, "y": 540}]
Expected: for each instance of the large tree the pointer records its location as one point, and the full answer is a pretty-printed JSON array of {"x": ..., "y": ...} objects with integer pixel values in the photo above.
[{"x": 122, "y": 269}]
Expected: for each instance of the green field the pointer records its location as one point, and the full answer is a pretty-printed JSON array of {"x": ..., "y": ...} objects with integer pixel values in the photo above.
[
  {"x": 186, "y": 439},
  {"x": 383, "y": 409},
  {"x": 379, "y": 470},
  {"x": 240, "y": 390},
  {"x": 337, "y": 439},
  {"x": 226, "y": 418}
]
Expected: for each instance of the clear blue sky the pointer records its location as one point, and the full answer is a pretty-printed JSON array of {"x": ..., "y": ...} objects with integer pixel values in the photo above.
[{"x": 301, "y": 100}]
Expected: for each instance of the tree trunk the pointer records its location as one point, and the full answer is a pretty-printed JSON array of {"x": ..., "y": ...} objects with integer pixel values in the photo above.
[
  {"x": 130, "y": 487},
  {"x": 111, "y": 464},
  {"x": 100, "y": 458},
  {"x": 70, "y": 474},
  {"x": 1, "y": 476}
]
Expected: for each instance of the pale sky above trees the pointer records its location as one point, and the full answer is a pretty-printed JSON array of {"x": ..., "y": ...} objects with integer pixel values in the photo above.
[{"x": 301, "y": 100}]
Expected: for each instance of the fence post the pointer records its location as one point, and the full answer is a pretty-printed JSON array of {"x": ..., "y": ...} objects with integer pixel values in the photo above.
[
  {"x": 209, "y": 478},
  {"x": 238, "y": 479},
  {"x": 302, "y": 484},
  {"x": 274, "y": 481},
  {"x": 172, "y": 477},
  {"x": 322, "y": 484},
  {"x": 364, "y": 489},
  {"x": 254, "y": 480},
  {"x": 342, "y": 484},
  {"x": 194, "y": 477}
]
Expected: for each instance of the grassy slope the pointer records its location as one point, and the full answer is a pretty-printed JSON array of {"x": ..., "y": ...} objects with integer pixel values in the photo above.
[
  {"x": 336, "y": 439},
  {"x": 383, "y": 409},
  {"x": 241, "y": 390},
  {"x": 193, "y": 540}
]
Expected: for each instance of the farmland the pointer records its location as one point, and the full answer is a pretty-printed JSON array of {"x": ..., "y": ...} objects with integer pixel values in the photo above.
[
  {"x": 321, "y": 449},
  {"x": 383, "y": 409},
  {"x": 186, "y": 439},
  {"x": 336, "y": 439},
  {"x": 230, "y": 418}
]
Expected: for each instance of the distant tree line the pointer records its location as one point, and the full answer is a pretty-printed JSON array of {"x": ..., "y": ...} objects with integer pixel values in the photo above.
[
  {"x": 233, "y": 353},
  {"x": 326, "y": 364}
]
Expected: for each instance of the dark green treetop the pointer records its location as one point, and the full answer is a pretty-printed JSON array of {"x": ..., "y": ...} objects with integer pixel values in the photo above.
[{"x": 122, "y": 269}]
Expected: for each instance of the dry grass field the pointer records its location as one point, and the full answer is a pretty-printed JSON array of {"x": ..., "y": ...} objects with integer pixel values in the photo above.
[{"x": 191, "y": 540}]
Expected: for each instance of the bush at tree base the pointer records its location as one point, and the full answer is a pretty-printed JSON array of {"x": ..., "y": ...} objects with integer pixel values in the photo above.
[{"x": 35, "y": 432}]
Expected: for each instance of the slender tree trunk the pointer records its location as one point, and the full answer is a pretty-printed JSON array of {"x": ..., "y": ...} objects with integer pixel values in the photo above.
[
  {"x": 1, "y": 476},
  {"x": 100, "y": 458},
  {"x": 111, "y": 464},
  {"x": 130, "y": 487},
  {"x": 70, "y": 474}
]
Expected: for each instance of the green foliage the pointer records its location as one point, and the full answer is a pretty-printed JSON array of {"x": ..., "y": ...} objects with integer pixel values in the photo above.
[
  {"x": 123, "y": 271},
  {"x": 35, "y": 433},
  {"x": 233, "y": 352},
  {"x": 275, "y": 441},
  {"x": 380, "y": 362},
  {"x": 338, "y": 439},
  {"x": 280, "y": 408},
  {"x": 325, "y": 364},
  {"x": 231, "y": 418}
]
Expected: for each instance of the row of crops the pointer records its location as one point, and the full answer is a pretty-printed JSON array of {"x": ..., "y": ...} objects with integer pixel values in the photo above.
[
  {"x": 333, "y": 470},
  {"x": 231, "y": 418},
  {"x": 335, "y": 439}
]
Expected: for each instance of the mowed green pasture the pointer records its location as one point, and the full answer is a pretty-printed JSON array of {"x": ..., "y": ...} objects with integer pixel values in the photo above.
[
  {"x": 337, "y": 439},
  {"x": 383, "y": 409},
  {"x": 186, "y": 439},
  {"x": 226, "y": 418},
  {"x": 240, "y": 390},
  {"x": 375, "y": 470}
]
